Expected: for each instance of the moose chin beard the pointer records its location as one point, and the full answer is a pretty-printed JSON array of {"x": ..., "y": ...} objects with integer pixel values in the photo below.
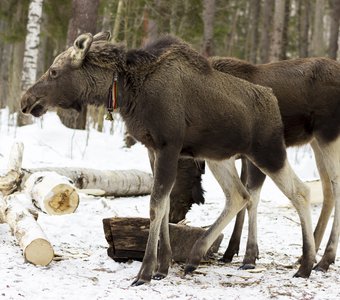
[{"x": 76, "y": 105}]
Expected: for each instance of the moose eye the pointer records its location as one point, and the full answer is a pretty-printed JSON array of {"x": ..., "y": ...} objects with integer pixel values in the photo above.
[{"x": 53, "y": 73}]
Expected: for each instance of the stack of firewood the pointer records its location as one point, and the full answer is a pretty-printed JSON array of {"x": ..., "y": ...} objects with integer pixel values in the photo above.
[{"x": 55, "y": 192}]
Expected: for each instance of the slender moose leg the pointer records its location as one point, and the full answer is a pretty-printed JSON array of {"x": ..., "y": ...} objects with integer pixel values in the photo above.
[
  {"x": 165, "y": 166},
  {"x": 298, "y": 193},
  {"x": 236, "y": 198},
  {"x": 254, "y": 185},
  {"x": 331, "y": 156},
  {"x": 328, "y": 197},
  {"x": 164, "y": 254},
  {"x": 235, "y": 239}
]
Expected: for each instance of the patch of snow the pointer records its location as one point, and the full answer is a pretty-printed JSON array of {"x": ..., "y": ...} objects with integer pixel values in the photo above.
[{"x": 86, "y": 272}]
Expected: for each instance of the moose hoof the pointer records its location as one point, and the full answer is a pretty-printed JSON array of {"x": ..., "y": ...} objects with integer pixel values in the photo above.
[
  {"x": 301, "y": 274},
  {"x": 227, "y": 258},
  {"x": 138, "y": 282},
  {"x": 189, "y": 269},
  {"x": 229, "y": 255},
  {"x": 247, "y": 267},
  {"x": 158, "y": 276},
  {"x": 321, "y": 267}
]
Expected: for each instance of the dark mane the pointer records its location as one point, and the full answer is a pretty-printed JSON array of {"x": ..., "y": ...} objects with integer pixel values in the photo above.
[
  {"x": 162, "y": 44},
  {"x": 240, "y": 68},
  {"x": 165, "y": 48},
  {"x": 106, "y": 55},
  {"x": 169, "y": 48}
]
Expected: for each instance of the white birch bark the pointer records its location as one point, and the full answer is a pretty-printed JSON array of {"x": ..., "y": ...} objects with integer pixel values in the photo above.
[
  {"x": 120, "y": 183},
  {"x": 15, "y": 157},
  {"x": 29, "y": 71},
  {"x": 54, "y": 194},
  {"x": 118, "y": 19},
  {"x": 9, "y": 182},
  {"x": 32, "y": 240}
]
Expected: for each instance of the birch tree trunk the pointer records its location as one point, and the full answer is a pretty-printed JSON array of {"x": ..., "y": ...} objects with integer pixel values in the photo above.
[
  {"x": 118, "y": 19},
  {"x": 279, "y": 16},
  {"x": 208, "y": 21},
  {"x": 29, "y": 68}
]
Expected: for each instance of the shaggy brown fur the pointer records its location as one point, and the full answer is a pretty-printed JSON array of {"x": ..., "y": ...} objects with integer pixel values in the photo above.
[
  {"x": 308, "y": 93},
  {"x": 177, "y": 105}
]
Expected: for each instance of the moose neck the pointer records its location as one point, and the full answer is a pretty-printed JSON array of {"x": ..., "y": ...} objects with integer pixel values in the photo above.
[{"x": 130, "y": 67}]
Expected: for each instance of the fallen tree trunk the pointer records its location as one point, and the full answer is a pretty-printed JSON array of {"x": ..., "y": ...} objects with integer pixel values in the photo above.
[
  {"x": 127, "y": 238},
  {"x": 10, "y": 182},
  {"x": 111, "y": 183},
  {"x": 52, "y": 193},
  {"x": 32, "y": 240}
]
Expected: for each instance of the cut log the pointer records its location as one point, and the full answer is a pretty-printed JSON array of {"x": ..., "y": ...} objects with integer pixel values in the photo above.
[
  {"x": 32, "y": 240},
  {"x": 15, "y": 157},
  {"x": 122, "y": 183},
  {"x": 11, "y": 181},
  {"x": 52, "y": 193},
  {"x": 127, "y": 238}
]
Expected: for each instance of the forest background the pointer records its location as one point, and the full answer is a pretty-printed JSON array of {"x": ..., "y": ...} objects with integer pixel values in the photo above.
[{"x": 33, "y": 32}]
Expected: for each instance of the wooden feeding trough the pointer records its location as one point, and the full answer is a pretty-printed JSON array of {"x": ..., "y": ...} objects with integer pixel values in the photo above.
[{"x": 127, "y": 238}]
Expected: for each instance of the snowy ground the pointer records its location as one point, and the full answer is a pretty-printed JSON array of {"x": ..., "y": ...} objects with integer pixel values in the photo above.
[{"x": 88, "y": 273}]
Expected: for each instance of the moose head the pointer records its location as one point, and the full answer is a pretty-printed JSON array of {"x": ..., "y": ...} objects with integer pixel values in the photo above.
[{"x": 81, "y": 74}]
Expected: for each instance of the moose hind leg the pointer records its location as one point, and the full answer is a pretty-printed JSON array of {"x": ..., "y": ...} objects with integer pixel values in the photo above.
[
  {"x": 328, "y": 197},
  {"x": 236, "y": 198},
  {"x": 235, "y": 239},
  {"x": 331, "y": 155},
  {"x": 254, "y": 185},
  {"x": 286, "y": 179}
]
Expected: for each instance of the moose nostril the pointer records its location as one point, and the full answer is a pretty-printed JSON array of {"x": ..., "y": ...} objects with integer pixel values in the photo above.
[
  {"x": 25, "y": 100},
  {"x": 23, "y": 104},
  {"x": 24, "y": 109}
]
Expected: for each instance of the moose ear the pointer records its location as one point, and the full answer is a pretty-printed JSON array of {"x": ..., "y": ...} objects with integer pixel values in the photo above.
[
  {"x": 102, "y": 36},
  {"x": 80, "y": 48}
]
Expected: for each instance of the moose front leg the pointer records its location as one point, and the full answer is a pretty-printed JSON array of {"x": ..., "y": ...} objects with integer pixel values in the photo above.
[{"x": 165, "y": 166}]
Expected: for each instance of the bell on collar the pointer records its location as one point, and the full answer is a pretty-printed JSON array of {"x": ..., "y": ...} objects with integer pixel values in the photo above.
[{"x": 109, "y": 116}]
